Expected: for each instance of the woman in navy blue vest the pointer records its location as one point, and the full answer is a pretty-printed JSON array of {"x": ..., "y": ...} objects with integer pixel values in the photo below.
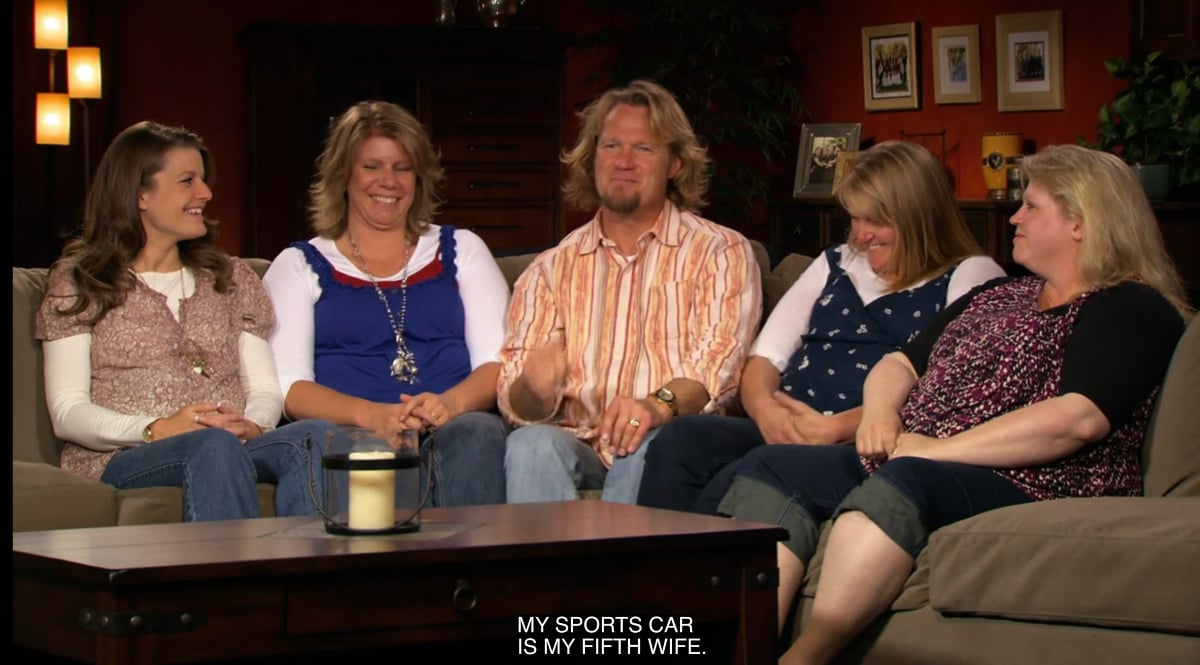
[
  {"x": 386, "y": 320},
  {"x": 909, "y": 254}
]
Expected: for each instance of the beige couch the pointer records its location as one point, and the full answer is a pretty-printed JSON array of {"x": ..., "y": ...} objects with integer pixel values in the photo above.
[
  {"x": 46, "y": 497},
  {"x": 1097, "y": 581}
]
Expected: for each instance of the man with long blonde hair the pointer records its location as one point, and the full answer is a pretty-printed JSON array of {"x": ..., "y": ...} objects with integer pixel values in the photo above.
[{"x": 640, "y": 316}]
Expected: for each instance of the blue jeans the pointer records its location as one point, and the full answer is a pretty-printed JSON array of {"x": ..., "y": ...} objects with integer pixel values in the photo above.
[
  {"x": 289, "y": 457},
  {"x": 691, "y": 466},
  {"x": 467, "y": 460},
  {"x": 547, "y": 463},
  {"x": 218, "y": 473}
]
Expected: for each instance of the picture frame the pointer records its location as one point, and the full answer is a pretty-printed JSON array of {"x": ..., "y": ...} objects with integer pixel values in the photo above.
[
  {"x": 891, "y": 69},
  {"x": 1029, "y": 62},
  {"x": 820, "y": 144},
  {"x": 845, "y": 162},
  {"x": 956, "y": 64}
]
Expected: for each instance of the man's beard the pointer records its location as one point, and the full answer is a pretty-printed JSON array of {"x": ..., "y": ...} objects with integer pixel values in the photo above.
[{"x": 622, "y": 206}]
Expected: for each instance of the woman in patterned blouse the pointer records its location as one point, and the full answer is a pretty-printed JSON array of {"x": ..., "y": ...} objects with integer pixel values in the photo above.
[
  {"x": 908, "y": 255},
  {"x": 1010, "y": 396},
  {"x": 157, "y": 366}
]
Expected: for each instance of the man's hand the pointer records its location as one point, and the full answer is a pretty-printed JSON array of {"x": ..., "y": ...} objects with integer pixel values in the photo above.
[
  {"x": 624, "y": 425},
  {"x": 535, "y": 392}
]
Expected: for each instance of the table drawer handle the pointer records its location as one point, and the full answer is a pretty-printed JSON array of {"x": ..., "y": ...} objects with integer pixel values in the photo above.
[{"x": 464, "y": 598}]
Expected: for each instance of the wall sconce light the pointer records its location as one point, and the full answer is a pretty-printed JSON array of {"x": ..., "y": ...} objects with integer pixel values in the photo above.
[
  {"x": 50, "y": 24},
  {"x": 83, "y": 80},
  {"x": 83, "y": 83},
  {"x": 53, "y": 109},
  {"x": 83, "y": 72},
  {"x": 53, "y": 118}
]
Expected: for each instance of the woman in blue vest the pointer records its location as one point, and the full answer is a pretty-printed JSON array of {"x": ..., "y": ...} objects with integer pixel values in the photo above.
[
  {"x": 909, "y": 254},
  {"x": 386, "y": 320}
]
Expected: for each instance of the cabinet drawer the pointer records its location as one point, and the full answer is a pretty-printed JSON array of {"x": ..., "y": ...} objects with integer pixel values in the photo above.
[
  {"x": 498, "y": 110},
  {"x": 505, "y": 228},
  {"x": 481, "y": 148},
  {"x": 498, "y": 184},
  {"x": 472, "y": 594}
]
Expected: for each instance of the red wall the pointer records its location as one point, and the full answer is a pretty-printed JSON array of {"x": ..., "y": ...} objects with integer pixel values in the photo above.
[
  {"x": 827, "y": 40},
  {"x": 181, "y": 63}
]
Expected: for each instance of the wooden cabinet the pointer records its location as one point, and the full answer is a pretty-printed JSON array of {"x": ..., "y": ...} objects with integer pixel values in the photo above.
[
  {"x": 490, "y": 98},
  {"x": 1170, "y": 26},
  {"x": 807, "y": 226}
]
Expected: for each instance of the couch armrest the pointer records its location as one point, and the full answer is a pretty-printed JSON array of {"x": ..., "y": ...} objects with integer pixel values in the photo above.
[
  {"x": 47, "y": 497},
  {"x": 1127, "y": 562}
]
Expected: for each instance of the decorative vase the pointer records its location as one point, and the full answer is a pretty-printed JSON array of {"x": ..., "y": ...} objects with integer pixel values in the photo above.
[
  {"x": 1001, "y": 150},
  {"x": 497, "y": 13}
]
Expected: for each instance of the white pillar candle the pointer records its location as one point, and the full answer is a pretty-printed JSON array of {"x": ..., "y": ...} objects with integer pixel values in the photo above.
[{"x": 372, "y": 504}]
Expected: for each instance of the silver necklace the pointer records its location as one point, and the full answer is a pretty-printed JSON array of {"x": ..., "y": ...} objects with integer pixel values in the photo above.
[{"x": 404, "y": 367}]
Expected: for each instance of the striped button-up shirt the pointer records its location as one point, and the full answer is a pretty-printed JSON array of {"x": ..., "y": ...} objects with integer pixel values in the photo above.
[{"x": 686, "y": 305}]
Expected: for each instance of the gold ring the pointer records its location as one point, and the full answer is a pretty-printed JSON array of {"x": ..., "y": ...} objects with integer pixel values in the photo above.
[{"x": 635, "y": 423}]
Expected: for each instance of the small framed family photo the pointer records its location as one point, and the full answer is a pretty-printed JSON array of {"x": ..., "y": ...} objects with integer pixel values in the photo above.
[
  {"x": 820, "y": 145},
  {"x": 1029, "y": 63},
  {"x": 956, "y": 64},
  {"x": 890, "y": 67}
]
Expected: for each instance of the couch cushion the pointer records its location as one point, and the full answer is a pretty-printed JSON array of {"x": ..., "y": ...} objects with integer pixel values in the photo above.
[
  {"x": 33, "y": 436},
  {"x": 164, "y": 505},
  {"x": 780, "y": 279},
  {"x": 1128, "y": 562},
  {"x": 47, "y": 497},
  {"x": 1171, "y": 456}
]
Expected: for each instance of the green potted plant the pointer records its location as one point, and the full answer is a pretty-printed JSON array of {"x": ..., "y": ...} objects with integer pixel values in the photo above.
[
  {"x": 729, "y": 65},
  {"x": 1154, "y": 125}
]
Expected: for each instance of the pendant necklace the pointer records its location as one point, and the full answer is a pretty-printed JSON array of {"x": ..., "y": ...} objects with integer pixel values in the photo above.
[
  {"x": 404, "y": 367},
  {"x": 190, "y": 350}
]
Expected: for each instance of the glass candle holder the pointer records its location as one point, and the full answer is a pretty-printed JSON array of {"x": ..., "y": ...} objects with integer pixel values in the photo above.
[{"x": 372, "y": 483}]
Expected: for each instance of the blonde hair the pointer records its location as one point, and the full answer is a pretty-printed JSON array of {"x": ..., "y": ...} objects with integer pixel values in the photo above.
[
  {"x": 327, "y": 195},
  {"x": 903, "y": 185},
  {"x": 669, "y": 125},
  {"x": 1121, "y": 240}
]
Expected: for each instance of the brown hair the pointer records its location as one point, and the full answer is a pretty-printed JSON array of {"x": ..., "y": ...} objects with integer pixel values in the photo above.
[
  {"x": 669, "y": 125},
  {"x": 903, "y": 185},
  {"x": 1121, "y": 239},
  {"x": 102, "y": 253},
  {"x": 327, "y": 194}
]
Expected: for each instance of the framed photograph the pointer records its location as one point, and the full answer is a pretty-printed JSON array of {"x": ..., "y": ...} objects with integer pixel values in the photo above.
[
  {"x": 890, "y": 67},
  {"x": 1029, "y": 63},
  {"x": 820, "y": 145},
  {"x": 956, "y": 64},
  {"x": 845, "y": 162}
]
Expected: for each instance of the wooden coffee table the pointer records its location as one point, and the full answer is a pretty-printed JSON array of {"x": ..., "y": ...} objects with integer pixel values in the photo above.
[{"x": 522, "y": 579}]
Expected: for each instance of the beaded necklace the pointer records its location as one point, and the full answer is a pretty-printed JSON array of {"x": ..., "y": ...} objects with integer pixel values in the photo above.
[
  {"x": 404, "y": 367},
  {"x": 190, "y": 350}
]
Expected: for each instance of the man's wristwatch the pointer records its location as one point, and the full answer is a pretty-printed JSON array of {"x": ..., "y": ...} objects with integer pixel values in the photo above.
[
  {"x": 148, "y": 432},
  {"x": 667, "y": 396}
]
